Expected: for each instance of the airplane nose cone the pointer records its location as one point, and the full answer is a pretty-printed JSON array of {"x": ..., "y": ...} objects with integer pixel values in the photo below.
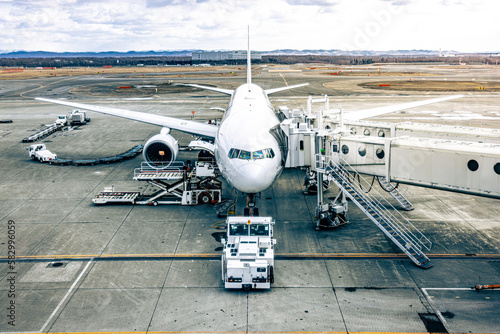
[{"x": 252, "y": 179}]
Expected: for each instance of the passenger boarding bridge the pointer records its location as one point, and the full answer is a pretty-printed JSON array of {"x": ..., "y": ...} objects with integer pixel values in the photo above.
[{"x": 460, "y": 159}]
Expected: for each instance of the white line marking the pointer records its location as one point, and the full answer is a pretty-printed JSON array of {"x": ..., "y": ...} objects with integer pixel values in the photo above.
[
  {"x": 66, "y": 296},
  {"x": 438, "y": 313},
  {"x": 448, "y": 289}
]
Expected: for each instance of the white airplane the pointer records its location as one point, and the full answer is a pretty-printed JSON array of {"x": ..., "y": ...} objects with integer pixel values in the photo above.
[{"x": 249, "y": 145}]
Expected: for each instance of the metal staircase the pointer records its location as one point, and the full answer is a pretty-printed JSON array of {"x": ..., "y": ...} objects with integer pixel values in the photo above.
[
  {"x": 404, "y": 235},
  {"x": 395, "y": 193}
]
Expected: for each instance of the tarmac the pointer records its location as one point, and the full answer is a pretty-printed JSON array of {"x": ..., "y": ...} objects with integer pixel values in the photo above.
[{"x": 143, "y": 269}]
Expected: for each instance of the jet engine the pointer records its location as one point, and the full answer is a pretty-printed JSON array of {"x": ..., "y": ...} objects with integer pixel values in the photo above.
[{"x": 161, "y": 149}]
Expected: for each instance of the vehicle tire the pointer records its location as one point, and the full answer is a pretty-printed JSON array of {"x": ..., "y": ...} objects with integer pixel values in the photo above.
[
  {"x": 204, "y": 198},
  {"x": 155, "y": 203}
]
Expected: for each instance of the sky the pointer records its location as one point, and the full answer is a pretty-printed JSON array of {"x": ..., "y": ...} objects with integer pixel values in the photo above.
[{"x": 141, "y": 25}]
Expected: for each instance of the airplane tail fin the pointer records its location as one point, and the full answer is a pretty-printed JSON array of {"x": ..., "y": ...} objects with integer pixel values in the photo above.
[{"x": 249, "y": 62}]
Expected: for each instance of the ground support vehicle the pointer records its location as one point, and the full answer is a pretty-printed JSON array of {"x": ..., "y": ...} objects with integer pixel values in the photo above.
[
  {"x": 248, "y": 254},
  {"x": 91, "y": 162},
  {"x": 78, "y": 117},
  {"x": 39, "y": 152},
  {"x": 62, "y": 120},
  {"x": 48, "y": 130},
  {"x": 176, "y": 184},
  {"x": 109, "y": 195}
]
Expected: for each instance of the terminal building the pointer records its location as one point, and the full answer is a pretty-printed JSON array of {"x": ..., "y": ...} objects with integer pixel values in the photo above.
[{"x": 204, "y": 56}]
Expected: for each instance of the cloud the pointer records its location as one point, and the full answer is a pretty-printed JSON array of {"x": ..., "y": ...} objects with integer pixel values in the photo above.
[
  {"x": 312, "y": 2},
  {"x": 122, "y": 25}
]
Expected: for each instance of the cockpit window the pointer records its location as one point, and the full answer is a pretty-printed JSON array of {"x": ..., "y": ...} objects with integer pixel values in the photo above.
[
  {"x": 245, "y": 155},
  {"x": 233, "y": 153},
  {"x": 267, "y": 153},
  {"x": 258, "y": 155}
]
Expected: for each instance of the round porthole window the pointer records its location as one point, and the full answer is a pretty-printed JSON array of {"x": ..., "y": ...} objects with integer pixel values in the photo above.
[
  {"x": 473, "y": 165},
  {"x": 381, "y": 133},
  {"x": 496, "y": 168},
  {"x": 366, "y": 132},
  {"x": 380, "y": 153},
  {"x": 345, "y": 149},
  {"x": 362, "y": 151},
  {"x": 353, "y": 131}
]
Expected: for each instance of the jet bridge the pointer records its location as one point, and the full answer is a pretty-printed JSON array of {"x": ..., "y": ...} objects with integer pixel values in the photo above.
[
  {"x": 336, "y": 149},
  {"x": 453, "y": 158}
]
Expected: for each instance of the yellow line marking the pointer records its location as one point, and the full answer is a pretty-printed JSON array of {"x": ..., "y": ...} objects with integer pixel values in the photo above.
[
  {"x": 224, "y": 332},
  {"x": 207, "y": 255}
]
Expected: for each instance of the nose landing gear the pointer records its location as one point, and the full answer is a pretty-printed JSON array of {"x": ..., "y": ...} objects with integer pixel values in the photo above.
[{"x": 251, "y": 210}]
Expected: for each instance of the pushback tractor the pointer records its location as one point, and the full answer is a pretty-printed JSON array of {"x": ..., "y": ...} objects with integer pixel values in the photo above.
[{"x": 248, "y": 255}]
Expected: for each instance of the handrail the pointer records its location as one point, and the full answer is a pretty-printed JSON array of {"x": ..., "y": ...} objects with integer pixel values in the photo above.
[
  {"x": 175, "y": 166},
  {"x": 389, "y": 214}
]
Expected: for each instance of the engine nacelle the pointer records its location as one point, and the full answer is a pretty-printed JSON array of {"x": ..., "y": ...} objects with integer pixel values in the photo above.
[{"x": 160, "y": 150}]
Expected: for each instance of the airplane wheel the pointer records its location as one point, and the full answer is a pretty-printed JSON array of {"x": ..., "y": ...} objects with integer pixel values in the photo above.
[{"x": 204, "y": 198}]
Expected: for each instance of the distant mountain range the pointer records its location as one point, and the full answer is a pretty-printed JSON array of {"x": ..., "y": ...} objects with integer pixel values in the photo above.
[
  {"x": 49, "y": 54},
  {"x": 187, "y": 53}
]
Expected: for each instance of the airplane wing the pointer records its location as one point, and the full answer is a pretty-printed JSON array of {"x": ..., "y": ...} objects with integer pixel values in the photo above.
[
  {"x": 215, "y": 89},
  {"x": 280, "y": 89},
  {"x": 191, "y": 127},
  {"x": 366, "y": 113}
]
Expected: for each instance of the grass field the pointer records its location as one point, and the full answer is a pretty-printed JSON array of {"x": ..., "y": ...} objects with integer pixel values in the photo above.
[
  {"x": 434, "y": 85},
  {"x": 168, "y": 71}
]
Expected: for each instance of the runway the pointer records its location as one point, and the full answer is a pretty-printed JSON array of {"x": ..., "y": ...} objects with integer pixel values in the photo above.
[{"x": 83, "y": 268}]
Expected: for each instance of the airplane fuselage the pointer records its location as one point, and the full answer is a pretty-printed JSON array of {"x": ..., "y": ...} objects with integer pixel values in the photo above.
[{"x": 247, "y": 154}]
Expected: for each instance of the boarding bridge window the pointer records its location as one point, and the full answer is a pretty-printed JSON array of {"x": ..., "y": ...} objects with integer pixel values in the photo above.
[
  {"x": 496, "y": 168},
  {"x": 362, "y": 151},
  {"x": 380, "y": 153},
  {"x": 473, "y": 165},
  {"x": 259, "y": 230},
  {"x": 238, "y": 229}
]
